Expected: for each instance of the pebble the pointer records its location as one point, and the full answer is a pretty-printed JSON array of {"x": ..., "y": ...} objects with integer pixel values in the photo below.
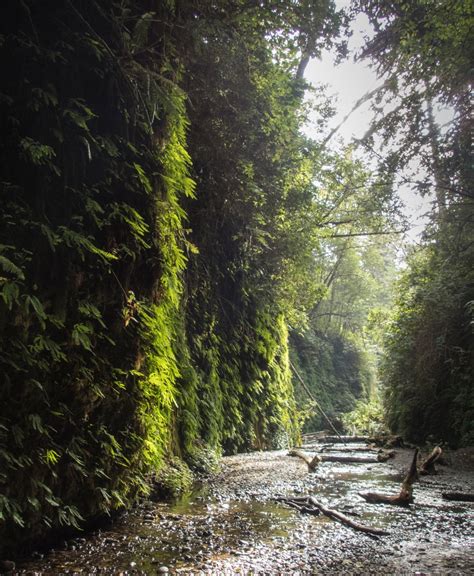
[{"x": 163, "y": 570}]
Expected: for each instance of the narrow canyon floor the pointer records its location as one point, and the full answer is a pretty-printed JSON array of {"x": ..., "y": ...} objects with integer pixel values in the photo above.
[{"x": 231, "y": 524}]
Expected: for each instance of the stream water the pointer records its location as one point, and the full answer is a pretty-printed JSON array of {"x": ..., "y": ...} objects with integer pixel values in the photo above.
[{"x": 232, "y": 525}]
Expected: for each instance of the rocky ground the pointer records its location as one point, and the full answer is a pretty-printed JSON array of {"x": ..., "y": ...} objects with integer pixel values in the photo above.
[{"x": 232, "y": 525}]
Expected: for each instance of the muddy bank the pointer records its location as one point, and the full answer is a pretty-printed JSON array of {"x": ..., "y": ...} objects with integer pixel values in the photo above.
[{"x": 232, "y": 525}]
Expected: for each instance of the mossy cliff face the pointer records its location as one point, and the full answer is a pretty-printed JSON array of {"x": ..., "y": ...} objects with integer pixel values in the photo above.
[
  {"x": 93, "y": 167},
  {"x": 112, "y": 356}
]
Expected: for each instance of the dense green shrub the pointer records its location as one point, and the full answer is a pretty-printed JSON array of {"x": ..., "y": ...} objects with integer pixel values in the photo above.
[
  {"x": 366, "y": 418},
  {"x": 172, "y": 480}
]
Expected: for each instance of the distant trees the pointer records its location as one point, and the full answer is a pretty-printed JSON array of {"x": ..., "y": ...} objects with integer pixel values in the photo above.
[
  {"x": 425, "y": 49},
  {"x": 338, "y": 351}
]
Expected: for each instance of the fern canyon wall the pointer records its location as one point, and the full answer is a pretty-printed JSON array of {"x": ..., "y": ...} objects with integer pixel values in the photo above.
[{"x": 148, "y": 155}]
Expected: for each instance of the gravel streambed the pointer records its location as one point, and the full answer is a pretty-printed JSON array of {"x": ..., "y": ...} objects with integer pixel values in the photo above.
[{"x": 232, "y": 525}]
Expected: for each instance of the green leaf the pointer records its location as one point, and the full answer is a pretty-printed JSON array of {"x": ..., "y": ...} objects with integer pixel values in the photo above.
[
  {"x": 18, "y": 519},
  {"x": 81, "y": 336},
  {"x": 39, "y": 154},
  {"x": 11, "y": 268},
  {"x": 143, "y": 178},
  {"x": 10, "y": 294},
  {"x": 37, "y": 306},
  {"x": 51, "y": 457}
]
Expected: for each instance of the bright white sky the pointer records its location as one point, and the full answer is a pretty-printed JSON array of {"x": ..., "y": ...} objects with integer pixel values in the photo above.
[{"x": 348, "y": 82}]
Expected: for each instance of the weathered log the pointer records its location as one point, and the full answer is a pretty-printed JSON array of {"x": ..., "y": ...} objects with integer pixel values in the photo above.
[
  {"x": 381, "y": 454},
  {"x": 428, "y": 465},
  {"x": 333, "y": 448},
  {"x": 316, "y": 434},
  {"x": 349, "y": 459},
  {"x": 405, "y": 495},
  {"x": 312, "y": 462},
  {"x": 459, "y": 496},
  {"x": 309, "y": 505},
  {"x": 343, "y": 439}
]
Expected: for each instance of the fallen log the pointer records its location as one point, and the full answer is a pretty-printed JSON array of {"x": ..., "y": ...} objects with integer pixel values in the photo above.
[
  {"x": 343, "y": 439},
  {"x": 309, "y": 505},
  {"x": 316, "y": 434},
  {"x": 338, "y": 448},
  {"x": 385, "y": 454},
  {"x": 405, "y": 495},
  {"x": 313, "y": 462},
  {"x": 332, "y": 448},
  {"x": 350, "y": 459},
  {"x": 428, "y": 465},
  {"x": 459, "y": 496}
]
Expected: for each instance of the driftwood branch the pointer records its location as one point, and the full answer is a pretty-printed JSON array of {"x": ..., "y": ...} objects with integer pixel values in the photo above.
[
  {"x": 428, "y": 465},
  {"x": 312, "y": 462},
  {"x": 405, "y": 495},
  {"x": 309, "y": 505}
]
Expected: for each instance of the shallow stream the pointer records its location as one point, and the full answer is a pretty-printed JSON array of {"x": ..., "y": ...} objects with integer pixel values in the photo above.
[{"x": 233, "y": 525}]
